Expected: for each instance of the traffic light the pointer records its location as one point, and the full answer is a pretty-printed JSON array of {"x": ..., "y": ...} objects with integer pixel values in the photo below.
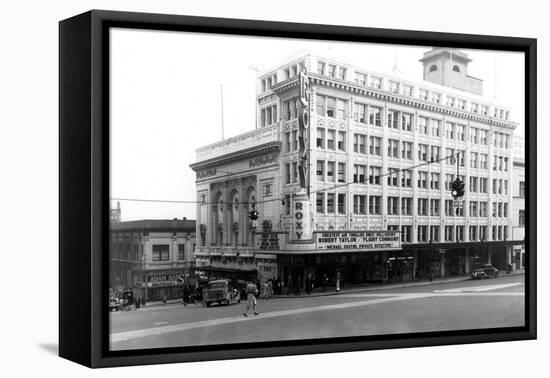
[
  {"x": 253, "y": 215},
  {"x": 457, "y": 188}
]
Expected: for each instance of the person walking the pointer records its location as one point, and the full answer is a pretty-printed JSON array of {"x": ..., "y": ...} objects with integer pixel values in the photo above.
[
  {"x": 186, "y": 295},
  {"x": 251, "y": 292}
]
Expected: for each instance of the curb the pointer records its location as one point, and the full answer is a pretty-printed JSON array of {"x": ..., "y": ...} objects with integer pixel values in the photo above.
[{"x": 390, "y": 286}]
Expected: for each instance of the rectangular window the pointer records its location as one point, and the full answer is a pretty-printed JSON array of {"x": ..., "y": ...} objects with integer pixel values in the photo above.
[
  {"x": 448, "y": 181},
  {"x": 473, "y": 209},
  {"x": 374, "y": 146},
  {"x": 181, "y": 251},
  {"x": 473, "y": 134},
  {"x": 473, "y": 184},
  {"x": 360, "y": 204},
  {"x": 406, "y": 206},
  {"x": 375, "y": 116},
  {"x": 434, "y": 207},
  {"x": 460, "y": 133},
  {"x": 483, "y": 209},
  {"x": 406, "y": 121},
  {"x": 434, "y": 182},
  {"x": 161, "y": 252},
  {"x": 341, "y": 203},
  {"x": 393, "y": 205},
  {"x": 360, "y": 172},
  {"x": 320, "y": 170},
  {"x": 360, "y": 79},
  {"x": 423, "y": 125},
  {"x": 393, "y": 119},
  {"x": 330, "y": 203},
  {"x": 394, "y": 87},
  {"x": 483, "y": 185},
  {"x": 422, "y": 180},
  {"x": 341, "y": 141},
  {"x": 449, "y": 231},
  {"x": 320, "y": 200},
  {"x": 423, "y": 152},
  {"x": 341, "y": 112},
  {"x": 422, "y": 206},
  {"x": 374, "y": 175},
  {"x": 473, "y": 233},
  {"x": 341, "y": 73},
  {"x": 393, "y": 177},
  {"x": 435, "y": 154},
  {"x": 521, "y": 219},
  {"x": 436, "y": 97},
  {"x": 422, "y": 234},
  {"x": 374, "y": 204},
  {"x": 331, "y": 134},
  {"x": 406, "y": 150},
  {"x": 393, "y": 148},
  {"x": 287, "y": 204},
  {"x": 320, "y": 138},
  {"x": 406, "y": 179},
  {"x": 406, "y": 234},
  {"x": 331, "y": 70},
  {"x": 331, "y": 107},
  {"x": 294, "y": 172},
  {"x": 375, "y": 82},
  {"x": 450, "y": 156},
  {"x": 435, "y": 127},
  {"x": 460, "y": 233},
  {"x": 341, "y": 172},
  {"x": 483, "y": 161},
  {"x": 360, "y": 113},
  {"x": 320, "y": 68},
  {"x": 287, "y": 173},
  {"x": 449, "y": 208},
  {"x": 449, "y": 130},
  {"x": 321, "y": 105},
  {"x": 359, "y": 143},
  {"x": 473, "y": 160},
  {"x": 330, "y": 171}
]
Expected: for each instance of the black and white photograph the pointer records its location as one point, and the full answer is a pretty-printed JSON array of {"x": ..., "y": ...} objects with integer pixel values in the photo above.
[{"x": 270, "y": 189}]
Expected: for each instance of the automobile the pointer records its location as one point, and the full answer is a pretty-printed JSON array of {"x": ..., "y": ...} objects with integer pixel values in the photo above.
[
  {"x": 485, "y": 271},
  {"x": 114, "y": 303},
  {"x": 220, "y": 292}
]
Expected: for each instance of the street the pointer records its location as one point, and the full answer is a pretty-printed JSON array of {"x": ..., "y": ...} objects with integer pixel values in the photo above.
[{"x": 458, "y": 305}]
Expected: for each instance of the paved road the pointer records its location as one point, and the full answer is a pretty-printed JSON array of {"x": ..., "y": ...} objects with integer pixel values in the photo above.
[{"x": 444, "y": 306}]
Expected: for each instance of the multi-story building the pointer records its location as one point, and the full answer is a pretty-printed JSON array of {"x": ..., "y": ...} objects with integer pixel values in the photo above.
[
  {"x": 518, "y": 202},
  {"x": 380, "y": 154},
  {"x": 152, "y": 257}
]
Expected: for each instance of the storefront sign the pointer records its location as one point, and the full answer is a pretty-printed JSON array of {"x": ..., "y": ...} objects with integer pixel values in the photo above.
[
  {"x": 174, "y": 279},
  {"x": 375, "y": 240},
  {"x": 302, "y": 224}
]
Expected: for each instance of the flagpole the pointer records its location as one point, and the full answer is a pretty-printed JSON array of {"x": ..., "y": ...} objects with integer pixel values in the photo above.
[{"x": 221, "y": 99}]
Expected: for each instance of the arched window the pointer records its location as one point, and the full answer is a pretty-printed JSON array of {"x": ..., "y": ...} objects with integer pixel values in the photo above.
[
  {"x": 433, "y": 68},
  {"x": 456, "y": 68}
]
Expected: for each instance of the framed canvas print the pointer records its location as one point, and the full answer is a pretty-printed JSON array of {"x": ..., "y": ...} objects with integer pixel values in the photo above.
[{"x": 237, "y": 188}]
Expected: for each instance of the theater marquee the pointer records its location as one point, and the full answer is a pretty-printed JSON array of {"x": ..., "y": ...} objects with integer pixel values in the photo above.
[{"x": 354, "y": 240}]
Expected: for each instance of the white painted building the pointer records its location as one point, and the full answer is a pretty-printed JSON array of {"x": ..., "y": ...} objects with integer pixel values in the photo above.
[{"x": 381, "y": 154}]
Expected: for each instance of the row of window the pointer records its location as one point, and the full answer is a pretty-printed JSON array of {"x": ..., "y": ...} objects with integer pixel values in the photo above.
[
  {"x": 452, "y": 233},
  {"x": 161, "y": 252},
  {"x": 363, "y": 79},
  {"x": 335, "y": 203}
]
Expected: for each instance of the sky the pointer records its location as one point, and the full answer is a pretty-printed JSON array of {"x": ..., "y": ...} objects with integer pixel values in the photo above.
[{"x": 166, "y": 101}]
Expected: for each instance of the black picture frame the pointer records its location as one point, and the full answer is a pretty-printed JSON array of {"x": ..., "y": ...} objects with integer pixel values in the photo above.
[{"x": 84, "y": 186}]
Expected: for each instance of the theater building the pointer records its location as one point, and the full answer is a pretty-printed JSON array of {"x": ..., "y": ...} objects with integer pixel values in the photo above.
[
  {"x": 152, "y": 257},
  {"x": 350, "y": 171}
]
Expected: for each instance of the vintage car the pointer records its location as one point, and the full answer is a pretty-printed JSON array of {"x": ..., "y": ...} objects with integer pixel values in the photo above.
[
  {"x": 221, "y": 292},
  {"x": 485, "y": 271}
]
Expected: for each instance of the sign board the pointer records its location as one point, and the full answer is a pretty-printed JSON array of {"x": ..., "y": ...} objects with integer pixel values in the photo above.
[
  {"x": 301, "y": 229},
  {"x": 173, "y": 279},
  {"x": 372, "y": 240}
]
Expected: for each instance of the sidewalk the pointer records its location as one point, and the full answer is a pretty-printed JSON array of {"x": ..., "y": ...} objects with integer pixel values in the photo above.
[{"x": 392, "y": 285}]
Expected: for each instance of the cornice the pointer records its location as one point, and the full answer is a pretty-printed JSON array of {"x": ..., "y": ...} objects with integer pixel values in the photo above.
[{"x": 247, "y": 153}]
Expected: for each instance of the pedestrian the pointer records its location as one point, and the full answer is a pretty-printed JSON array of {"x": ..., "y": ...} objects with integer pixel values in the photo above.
[
  {"x": 270, "y": 289},
  {"x": 251, "y": 292},
  {"x": 185, "y": 295}
]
